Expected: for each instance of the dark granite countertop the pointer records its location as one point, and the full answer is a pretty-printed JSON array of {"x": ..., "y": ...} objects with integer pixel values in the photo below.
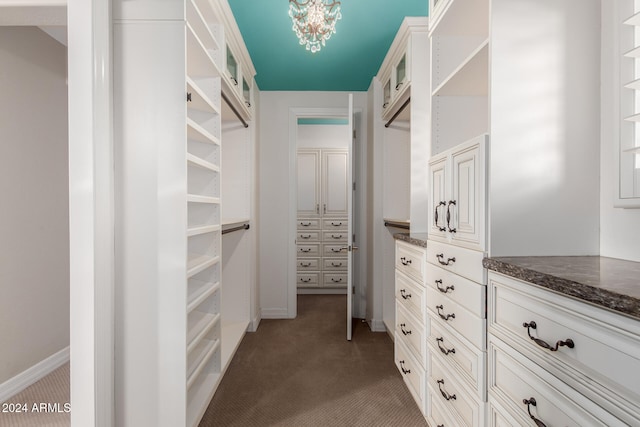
[
  {"x": 418, "y": 239},
  {"x": 606, "y": 282}
]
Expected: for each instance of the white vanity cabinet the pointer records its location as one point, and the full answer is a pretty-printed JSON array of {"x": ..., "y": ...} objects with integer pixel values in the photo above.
[
  {"x": 579, "y": 363},
  {"x": 411, "y": 317}
]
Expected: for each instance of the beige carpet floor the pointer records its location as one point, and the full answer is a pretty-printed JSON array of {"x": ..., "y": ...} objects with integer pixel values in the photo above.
[
  {"x": 302, "y": 372},
  {"x": 43, "y": 401}
]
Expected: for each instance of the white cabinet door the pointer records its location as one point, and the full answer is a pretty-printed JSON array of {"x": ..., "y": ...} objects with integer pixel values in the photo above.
[
  {"x": 308, "y": 182},
  {"x": 465, "y": 209},
  {"x": 335, "y": 182},
  {"x": 438, "y": 198}
]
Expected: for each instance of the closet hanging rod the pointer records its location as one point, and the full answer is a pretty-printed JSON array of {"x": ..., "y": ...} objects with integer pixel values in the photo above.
[
  {"x": 402, "y": 107},
  {"x": 240, "y": 227},
  {"x": 396, "y": 224},
  {"x": 245, "y": 124}
]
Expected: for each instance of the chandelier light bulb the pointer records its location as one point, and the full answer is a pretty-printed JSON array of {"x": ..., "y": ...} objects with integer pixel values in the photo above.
[{"x": 314, "y": 21}]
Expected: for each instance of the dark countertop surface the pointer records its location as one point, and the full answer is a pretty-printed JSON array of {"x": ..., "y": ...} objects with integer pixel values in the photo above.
[
  {"x": 418, "y": 239},
  {"x": 606, "y": 282}
]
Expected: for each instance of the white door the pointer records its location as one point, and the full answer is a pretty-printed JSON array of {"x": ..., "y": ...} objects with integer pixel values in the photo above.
[{"x": 350, "y": 247}]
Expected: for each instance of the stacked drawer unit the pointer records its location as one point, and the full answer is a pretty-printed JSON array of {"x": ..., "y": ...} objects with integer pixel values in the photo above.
[
  {"x": 554, "y": 360},
  {"x": 411, "y": 317},
  {"x": 321, "y": 261},
  {"x": 456, "y": 287}
]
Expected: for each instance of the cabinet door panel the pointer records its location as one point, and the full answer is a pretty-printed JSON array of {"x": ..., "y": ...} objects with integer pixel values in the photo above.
[
  {"x": 335, "y": 186},
  {"x": 308, "y": 182},
  {"x": 438, "y": 199}
]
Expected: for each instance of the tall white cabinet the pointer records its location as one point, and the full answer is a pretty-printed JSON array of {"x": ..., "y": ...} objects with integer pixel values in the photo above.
[
  {"x": 323, "y": 187},
  {"x": 178, "y": 321}
]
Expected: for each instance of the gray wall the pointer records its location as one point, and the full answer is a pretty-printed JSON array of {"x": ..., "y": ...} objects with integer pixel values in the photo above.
[{"x": 34, "y": 199}]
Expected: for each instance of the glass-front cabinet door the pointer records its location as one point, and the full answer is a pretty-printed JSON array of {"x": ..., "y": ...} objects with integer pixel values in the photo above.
[
  {"x": 246, "y": 92},
  {"x": 401, "y": 72},
  {"x": 386, "y": 94},
  {"x": 232, "y": 67}
]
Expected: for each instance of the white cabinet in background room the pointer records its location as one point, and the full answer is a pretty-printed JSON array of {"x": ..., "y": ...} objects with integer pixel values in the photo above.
[
  {"x": 322, "y": 218},
  {"x": 560, "y": 360},
  {"x": 411, "y": 317}
]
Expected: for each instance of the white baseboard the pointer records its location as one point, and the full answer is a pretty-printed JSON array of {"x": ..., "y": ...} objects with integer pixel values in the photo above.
[
  {"x": 274, "y": 313},
  {"x": 377, "y": 325},
  {"x": 15, "y": 385},
  {"x": 255, "y": 322}
]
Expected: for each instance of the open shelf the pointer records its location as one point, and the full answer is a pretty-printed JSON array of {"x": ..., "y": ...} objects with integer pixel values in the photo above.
[
  {"x": 459, "y": 17},
  {"x": 635, "y": 85},
  {"x": 200, "y": 27},
  {"x": 198, "y": 133},
  {"x": 199, "y": 324},
  {"x": 200, "y": 292},
  {"x": 198, "y": 262},
  {"x": 196, "y": 231},
  {"x": 633, "y": 53},
  {"x": 632, "y": 150},
  {"x": 633, "y": 20},
  {"x": 471, "y": 77},
  {"x": 199, "y": 358},
  {"x": 199, "y": 100},
  {"x": 196, "y": 198},
  {"x": 199, "y": 61},
  {"x": 200, "y": 394},
  {"x": 634, "y": 118},
  {"x": 197, "y": 161}
]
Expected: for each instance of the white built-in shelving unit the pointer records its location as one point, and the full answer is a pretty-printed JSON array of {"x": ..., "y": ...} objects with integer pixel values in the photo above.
[{"x": 183, "y": 299}]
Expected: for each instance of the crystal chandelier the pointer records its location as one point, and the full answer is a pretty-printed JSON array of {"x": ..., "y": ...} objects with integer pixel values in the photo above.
[{"x": 314, "y": 21}]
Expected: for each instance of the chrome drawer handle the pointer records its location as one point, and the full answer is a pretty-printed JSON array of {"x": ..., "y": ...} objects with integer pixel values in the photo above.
[
  {"x": 443, "y": 290},
  {"x": 405, "y": 261},
  {"x": 404, "y": 371},
  {"x": 404, "y": 294},
  {"x": 532, "y": 325},
  {"x": 447, "y": 262},
  {"x": 442, "y": 316},
  {"x": 404, "y": 332},
  {"x": 532, "y": 402},
  {"x": 444, "y": 350},
  {"x": 333, "y": 264},
  {"x": 444, "y": 394}
]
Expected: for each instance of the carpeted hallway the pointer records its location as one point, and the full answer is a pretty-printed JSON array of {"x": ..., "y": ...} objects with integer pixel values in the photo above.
[{"x": 303, "y": 372}]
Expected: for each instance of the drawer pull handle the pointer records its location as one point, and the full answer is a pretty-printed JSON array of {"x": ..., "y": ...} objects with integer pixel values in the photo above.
[
  {"x": 335, "y": 224},
  {"x": 339, "y": 236},
  {"x": 404, "y": 371},
  {"x": 444, "y": 394},
  {"x": 532, "y": 402},
  {"x": 334, "y": 280},
  {"x": 305, "y": 236},
  {"x": 307, "y": 280},
  {"x": 442, "y": 316},
  {"x": 443, "y": 290},
  {"x": 305, "y": 250},
  {"x": 305, "y": 224},
  {"x": 444, "y": 350},
  {"x": 405, "y": 261},
  {"x": 404, "y": 332},
  {"x": 404, "y": 294},
  {"x": 532, "y": 325},
  {"x": 336, "y": 264},
  {"x": 336, "y": 250},
  {"x": 451, "y": 202},
  {"x": 442, "y": 203},
  {"x": 305, "y": 264},
  {"x": 447, "y": 262}
]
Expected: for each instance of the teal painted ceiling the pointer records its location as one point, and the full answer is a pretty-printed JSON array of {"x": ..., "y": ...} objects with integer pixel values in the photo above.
[{"x": 347, "y": 63}]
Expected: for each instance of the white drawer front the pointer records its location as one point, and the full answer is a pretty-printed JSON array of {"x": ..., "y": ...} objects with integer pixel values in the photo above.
[
  {"x": 605, "y": 358},
  {"x": 311, "y": 264},
  {"x": 334, "y": 279},
  {"x": 410, "y": 260},
  {"x": 436, "y": 414},
  {"x": 462, "y": 261},
  {"x": 308, "y": 224},
  {"x": 309, "y": 249},
  {"x": 470, "y": 326},
  {"x": 334, "y": 264},
  {"x": 334, "y": 250},
  {"x": 449, "y": 391},
  {"x": 334, "y": 224},
  {"x": 411, "y": 295},
  {"x": 465, "y": 360},
  {"x": 465, "y": 292},
  {"x": 308, "y": 236},
  {"x": 513, "y": 382},
  {"x": 411, "y": 332},
  {"x": 334, "y": 236},
  {"x": 308, "y": 279},
  {"x": 412, "y": 373}
]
